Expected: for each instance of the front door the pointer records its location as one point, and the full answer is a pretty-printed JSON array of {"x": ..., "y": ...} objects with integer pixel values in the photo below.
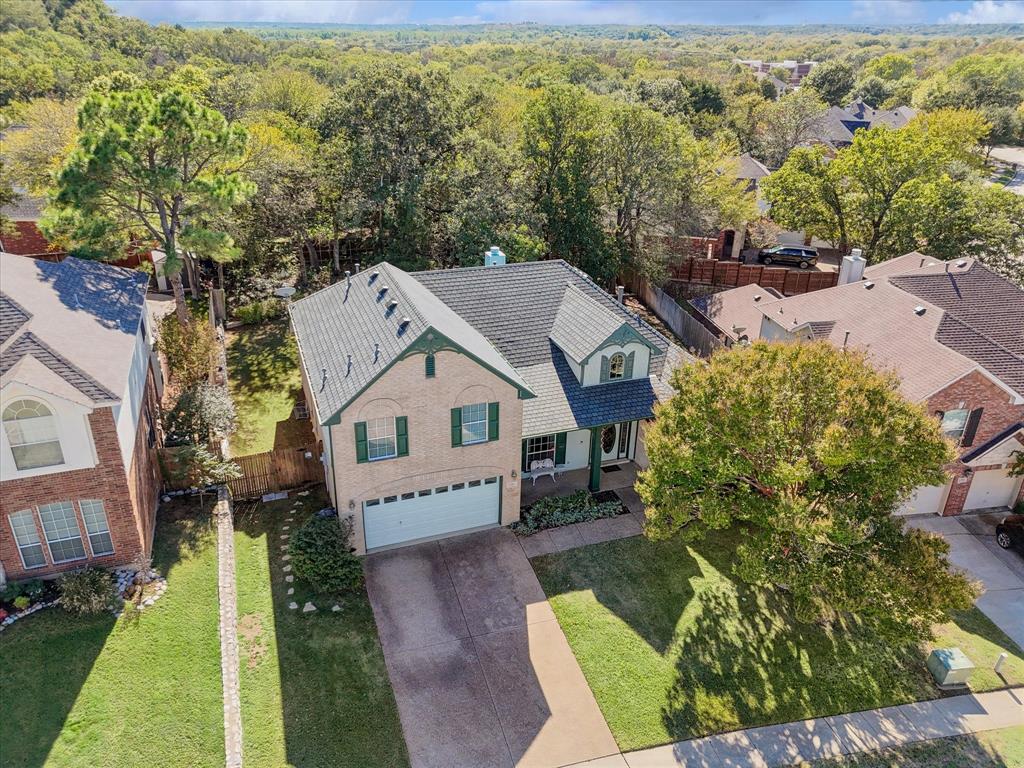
[{"x": 615, "y": 441}]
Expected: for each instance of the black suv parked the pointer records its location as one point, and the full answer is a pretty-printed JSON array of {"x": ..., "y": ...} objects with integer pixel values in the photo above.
[
  {"x": 802, "y": 256},
  {"x": 1010, "y": 533}
]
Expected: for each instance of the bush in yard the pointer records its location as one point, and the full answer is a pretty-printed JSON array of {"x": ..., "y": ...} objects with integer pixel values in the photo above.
[
  {"x": 89, "y": 590},
  {"x": 321, "y": 555},
  {"x": 21, "y": 602},
  {"x": 202, "y": 413},
  {"x": 554, "y": 511},
  {"x": 188, "y": 349},
  {"x": 259, "y": 311}
]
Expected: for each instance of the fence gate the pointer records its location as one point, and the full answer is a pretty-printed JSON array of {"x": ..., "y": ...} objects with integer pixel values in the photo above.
[{"x": 276, "y": 470}]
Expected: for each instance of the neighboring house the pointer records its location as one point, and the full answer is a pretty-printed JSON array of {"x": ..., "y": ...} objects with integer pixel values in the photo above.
[
  {"x": 25, "y": 238},
  {"x": 798, "y": 70},
  {"x": 840, "y": 123},
  {"x": 734, "y": 315},
  {"x": 79, "y": 477},
  {"x": 433, "y": 393},
  {"x": 954, "y": 334}
]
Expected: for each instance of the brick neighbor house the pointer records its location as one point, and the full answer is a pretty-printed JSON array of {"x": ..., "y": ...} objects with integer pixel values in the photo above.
[
  {"x": 440, "y": 398},
  {"x": 954, "y": 334},
  {"x": 79, "y": 477}
]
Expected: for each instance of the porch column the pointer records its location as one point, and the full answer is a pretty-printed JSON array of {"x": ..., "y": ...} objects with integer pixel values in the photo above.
[{"x": 595, "y": 460}]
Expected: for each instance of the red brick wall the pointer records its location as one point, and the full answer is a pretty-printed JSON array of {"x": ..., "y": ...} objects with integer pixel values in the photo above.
[
  {"x": 27, "y": 240},
  {"x": 974, "y": 391},
  {"x": 144, "y": 475},
  {"x": 107, "y": 481}
]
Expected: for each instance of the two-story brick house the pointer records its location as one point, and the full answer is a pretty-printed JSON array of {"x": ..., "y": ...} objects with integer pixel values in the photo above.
[
  {"x": 79, "y": 476},
  {"x": 954, "y": 334},
  {"x": 434, "y": 393}
]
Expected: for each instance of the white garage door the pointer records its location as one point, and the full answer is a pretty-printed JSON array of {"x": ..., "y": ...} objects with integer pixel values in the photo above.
[
  {"x": 991, "y": 488},
  {"x": 430, "y": 512},
  {"x": 926, "y": 500}
]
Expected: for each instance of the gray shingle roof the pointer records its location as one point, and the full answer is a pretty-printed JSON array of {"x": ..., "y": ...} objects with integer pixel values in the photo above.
[
  {"x": 581, "y": 324},
  {"x": 349, "y": 332},
  {"x": 12, "y": 317},
  {"x": 28, "y": 344}
]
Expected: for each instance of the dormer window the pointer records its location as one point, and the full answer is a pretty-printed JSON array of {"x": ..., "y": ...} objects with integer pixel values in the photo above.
[
  {"x": 616, "y": 366},
  {"x": 32, "y": 432}
]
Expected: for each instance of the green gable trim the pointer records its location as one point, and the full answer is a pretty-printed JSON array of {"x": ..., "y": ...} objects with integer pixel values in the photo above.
[
  {"x": 430, "y": 341},
  {"x": 626, "y": 334}
]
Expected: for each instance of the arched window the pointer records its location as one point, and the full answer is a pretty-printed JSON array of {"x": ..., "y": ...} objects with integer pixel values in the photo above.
[
  {"x": 617, "y": 366},
  {"x": 32, "y": 432}
]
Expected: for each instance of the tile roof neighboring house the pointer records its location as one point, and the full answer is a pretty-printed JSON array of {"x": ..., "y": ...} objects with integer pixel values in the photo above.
[
  {"x": 751, "y": 168},
  {"x": 736, "y": 312},
  {"x": 77, "y": 320},
  {"x": 351, "y": 331},
  {"x": 506, "y": 316},
  {"x": 840, "y": 123}
]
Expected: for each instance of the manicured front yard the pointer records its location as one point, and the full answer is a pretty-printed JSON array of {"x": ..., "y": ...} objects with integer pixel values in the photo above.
[
  {"x": 265, "y": 383},
  {"x": 314, "y": 688},
  {"x": 991, "y": 749},
  {"x": 674, "y": 646},
  {"x": 141, "y": 690}
]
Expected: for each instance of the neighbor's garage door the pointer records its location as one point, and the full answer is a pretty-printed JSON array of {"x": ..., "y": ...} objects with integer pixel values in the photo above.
[
  {"x": 430, "y": 512},
  {"x": 991, "y": 488},
  {"x": 926, "y": 500}
]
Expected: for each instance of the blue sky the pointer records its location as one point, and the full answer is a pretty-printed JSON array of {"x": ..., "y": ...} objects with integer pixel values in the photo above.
[{"x": 580, "y": 11}]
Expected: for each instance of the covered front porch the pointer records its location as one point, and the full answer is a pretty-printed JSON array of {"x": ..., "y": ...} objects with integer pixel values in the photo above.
[{"x": 612, "y": 477}]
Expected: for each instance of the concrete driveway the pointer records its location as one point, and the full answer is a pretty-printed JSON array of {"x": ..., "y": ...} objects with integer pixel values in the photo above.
[
  {"x": 972, "y": 547},
  {"x": 482, "y": 673}
]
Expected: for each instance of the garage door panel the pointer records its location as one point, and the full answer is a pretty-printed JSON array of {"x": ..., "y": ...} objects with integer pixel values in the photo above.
[
  {"x": 991, "y": 488},
  {"x": 925, "y": 500},
  {"x": 459, "y": 507}
]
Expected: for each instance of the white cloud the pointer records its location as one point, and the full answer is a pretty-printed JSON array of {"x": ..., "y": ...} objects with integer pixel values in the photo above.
[
  {"x": 989, "y": 12},
  {"x": 284, "y": 11},
  {"x": 637, "y": 11},
  {"x": 887, "y": 11}
]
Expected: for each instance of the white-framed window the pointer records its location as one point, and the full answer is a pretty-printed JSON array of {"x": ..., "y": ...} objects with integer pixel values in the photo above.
[
  {"x": 540, "y": 448},
  {"x": 23, "y": 526},
  {"x": 380, "y": 438},
  {"x": 474, "y": 423},
  {"x": 95, "y": 517},
  {"x": 32, "y": 432},
  {"x": 63, "y": 536},
  {"x": 617, "y": 366},
  {"x": 954, "y": 423}
]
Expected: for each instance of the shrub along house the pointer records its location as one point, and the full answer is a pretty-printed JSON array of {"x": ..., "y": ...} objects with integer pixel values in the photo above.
[
  {"x": 79, "y": 477},
  {"x": 434, "y": 392},
  {"x": 954, "y": 334}
]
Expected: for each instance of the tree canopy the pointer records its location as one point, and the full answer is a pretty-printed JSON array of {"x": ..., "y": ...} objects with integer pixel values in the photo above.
[{"x": 810, "y": 449}]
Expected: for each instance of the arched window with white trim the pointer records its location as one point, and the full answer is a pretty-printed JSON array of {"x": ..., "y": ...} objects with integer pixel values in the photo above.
[
  {"x": 617, "y": 366},
  {"x": 32, "y": 433}
]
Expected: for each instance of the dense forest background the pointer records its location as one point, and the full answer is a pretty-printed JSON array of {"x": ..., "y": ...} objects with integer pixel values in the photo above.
[{"x": 426, "y": 145}]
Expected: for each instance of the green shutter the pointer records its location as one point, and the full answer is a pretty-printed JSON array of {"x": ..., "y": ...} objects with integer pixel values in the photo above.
[
  {"x": 525, "y": 444},
  {"x": 604, "y": 368},
  {"x": 362, "y": 451},
  {"x": 492, "y": 421},
  {"x": 402, "y": 435},
  {"x": 560, "y": 447},
  {"x": 456, "y": 427},
  {"x": 430, "y": 367},
  {"x": 628, "y": 372}
]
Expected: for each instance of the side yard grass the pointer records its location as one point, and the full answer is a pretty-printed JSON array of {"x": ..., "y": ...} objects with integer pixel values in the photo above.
[
  {"x": 141, "y": 690},
  {"x": 265, "y": 383},
  {"x": 991, "y": 749},
  {"x": 314, "y": 688},
  {"x": 675, "y": 647}
]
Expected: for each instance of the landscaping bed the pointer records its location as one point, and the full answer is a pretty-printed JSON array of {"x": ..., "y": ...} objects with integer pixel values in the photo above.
[
  {"x": 674, "y": 646},
  {"x": 138, "y": 690},
  {"x": 556, "y": 511},
  {"x": 314, "y": 688}
]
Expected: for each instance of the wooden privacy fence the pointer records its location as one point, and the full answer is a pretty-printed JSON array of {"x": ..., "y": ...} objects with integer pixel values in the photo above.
[
  {"x": 698, "y": 339},
  {"x": 732, "y": 274},
  {"x": 268, "y": 472}
]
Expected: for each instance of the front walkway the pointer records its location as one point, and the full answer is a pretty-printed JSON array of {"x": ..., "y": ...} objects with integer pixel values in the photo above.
[
  {"x": 227, "y": 595},
  {"x": 825, "y": 737},
  {"x": 482, "y": 673},
  {"x": 1004, "y": 586}
]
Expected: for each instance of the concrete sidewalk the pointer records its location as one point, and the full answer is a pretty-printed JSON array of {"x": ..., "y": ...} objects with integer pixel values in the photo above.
[{"x": 825, "y": 737}]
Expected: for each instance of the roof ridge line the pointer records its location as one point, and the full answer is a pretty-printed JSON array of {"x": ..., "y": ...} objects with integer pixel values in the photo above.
[{"x": 983, "y": 335}]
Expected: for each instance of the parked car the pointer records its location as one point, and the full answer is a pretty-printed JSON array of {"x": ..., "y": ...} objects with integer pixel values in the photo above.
[
  {"x": 1010, "y": 532},
  {"x": 803, "y": 256}
]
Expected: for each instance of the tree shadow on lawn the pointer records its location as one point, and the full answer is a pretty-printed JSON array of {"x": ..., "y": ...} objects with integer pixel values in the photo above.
[
  {"x": 335, "y": 701},
  {"x": 47, "y": 658}
]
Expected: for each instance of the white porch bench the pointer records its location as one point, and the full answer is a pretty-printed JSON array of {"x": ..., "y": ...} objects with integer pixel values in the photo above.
[{"x": 540, "y": 468}]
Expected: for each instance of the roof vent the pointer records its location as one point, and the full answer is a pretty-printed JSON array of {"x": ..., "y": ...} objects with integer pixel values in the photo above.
[
  {"x": 383, "y": 290},
  {"x": 376, "y": 352},
  {"x": 403, "y": 324},
  {"x": 391, "y": 305},
  {"x": 869, "y": 285},
  {"x": 348, "y": 277},
  {"x": 374, "y": 275},
  {"x": 962, "y": 263},
  {"x": 918, "y": 310},
  {"x": 757, "y": 297}
]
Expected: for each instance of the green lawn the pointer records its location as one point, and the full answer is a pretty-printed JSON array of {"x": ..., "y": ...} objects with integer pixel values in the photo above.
[
  {"x": 315, "y": 691},
  {"x": 991, "y": 749},
  {"x": 264, "y": 378},
  {"x": 142, "y": 690},
  {"x": 675, "y": 647}
]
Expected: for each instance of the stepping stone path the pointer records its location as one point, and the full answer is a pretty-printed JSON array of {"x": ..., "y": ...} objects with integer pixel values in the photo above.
[
  {"x": 286, "y": 557},
  {"x": 336, "y": 608},
  {"x": 291, "y": 590},
  {"x": 293, "y": 606},
  {"x": 289, "y": 578},
  {"x": 286, "y": 568},
  {"x": 285, "y": 528},
  {"x": 308, "y": 608}
]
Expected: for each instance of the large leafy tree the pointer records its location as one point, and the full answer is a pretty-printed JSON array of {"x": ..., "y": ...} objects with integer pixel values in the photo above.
[
  {"x": 832, "y": 80},
  {"x": 809, "y": 449},
  {"x": 782, "y": 125},
  {"x": 156, "y": 164}
]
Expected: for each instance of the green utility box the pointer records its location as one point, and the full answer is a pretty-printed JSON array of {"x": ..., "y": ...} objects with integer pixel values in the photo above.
[{"x": 950, "y": 667}]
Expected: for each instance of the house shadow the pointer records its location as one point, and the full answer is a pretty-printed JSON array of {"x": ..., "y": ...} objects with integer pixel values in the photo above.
[{"x": 110, "y": 296}]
